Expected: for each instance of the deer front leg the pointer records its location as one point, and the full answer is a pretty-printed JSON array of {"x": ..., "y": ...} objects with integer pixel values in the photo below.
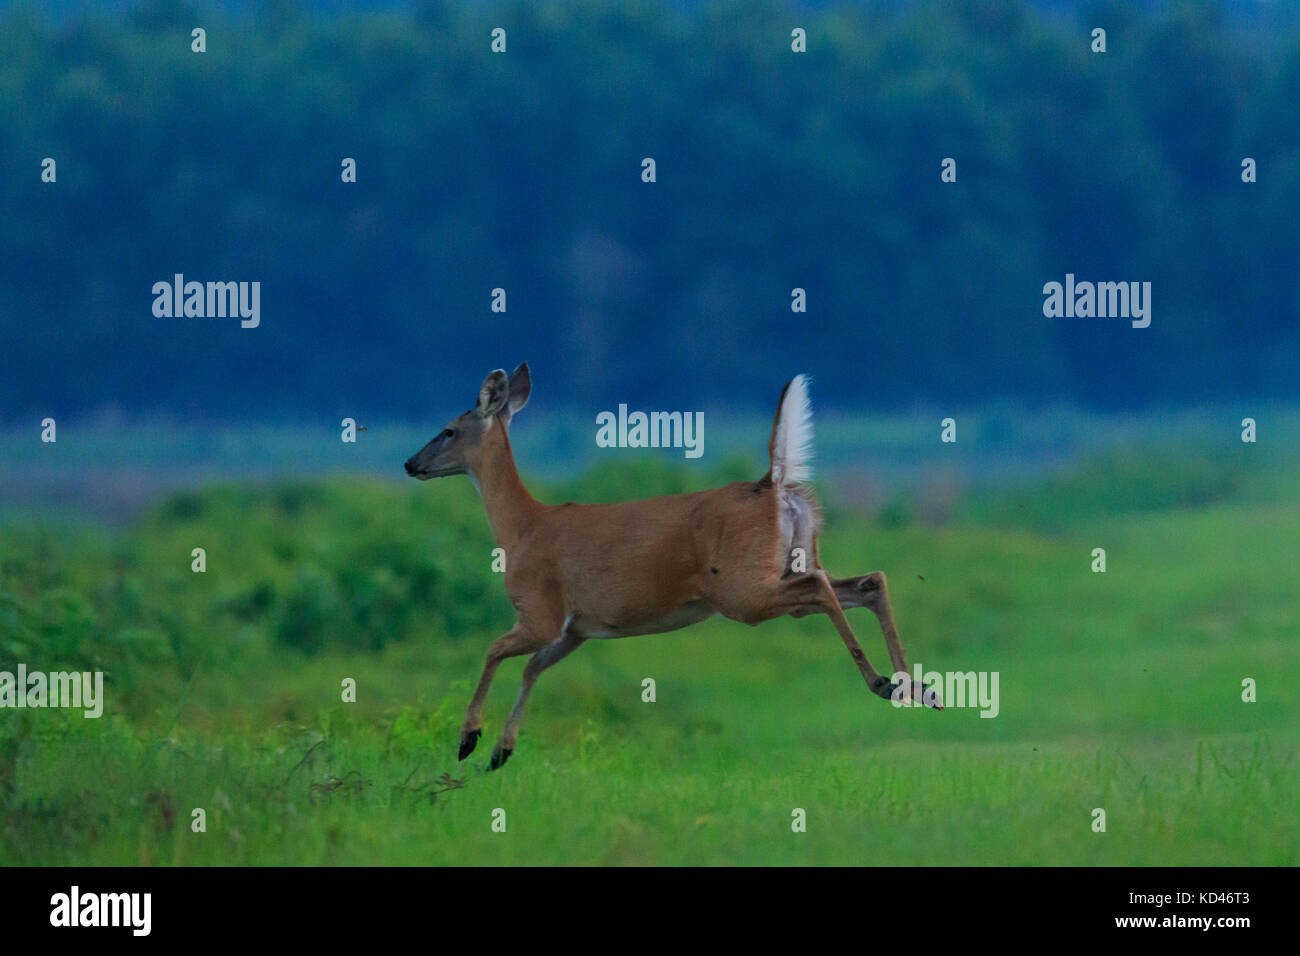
[
  {"x": 553, "y": 653},
  {"x": 518, "y": 640}
]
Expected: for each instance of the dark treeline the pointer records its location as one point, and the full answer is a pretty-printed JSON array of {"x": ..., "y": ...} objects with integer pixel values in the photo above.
[{"x": 522, "y": 171}]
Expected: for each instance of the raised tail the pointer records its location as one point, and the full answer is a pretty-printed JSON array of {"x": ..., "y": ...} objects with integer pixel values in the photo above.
[{"x": 791, "y": 446}]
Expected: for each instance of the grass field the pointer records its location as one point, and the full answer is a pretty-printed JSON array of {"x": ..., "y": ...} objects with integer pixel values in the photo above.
[{"x": 1120, "y": 691}]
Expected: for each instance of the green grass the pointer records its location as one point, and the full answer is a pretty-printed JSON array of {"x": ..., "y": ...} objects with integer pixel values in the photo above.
[{"x": 1119, "y": 690}]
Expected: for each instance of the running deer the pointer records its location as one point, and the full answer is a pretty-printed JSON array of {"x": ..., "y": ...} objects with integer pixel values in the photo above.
[{"x": 747, "y": 551}]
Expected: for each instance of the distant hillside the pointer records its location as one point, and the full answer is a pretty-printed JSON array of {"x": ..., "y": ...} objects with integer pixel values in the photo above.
[{"x": 775, "y": 171}]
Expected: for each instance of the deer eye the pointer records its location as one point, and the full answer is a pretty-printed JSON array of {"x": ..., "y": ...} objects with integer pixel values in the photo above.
[{"x": 449, "y": 433}]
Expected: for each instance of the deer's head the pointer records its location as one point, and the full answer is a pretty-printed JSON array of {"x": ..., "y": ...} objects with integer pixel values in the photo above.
[{"x": 454, "y": 451}]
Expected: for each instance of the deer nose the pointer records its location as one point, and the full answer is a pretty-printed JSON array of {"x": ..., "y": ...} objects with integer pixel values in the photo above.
[{"x": 410, "y": 468}]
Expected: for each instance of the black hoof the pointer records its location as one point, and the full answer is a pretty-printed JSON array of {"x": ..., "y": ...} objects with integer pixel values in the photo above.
[
  {"x": 468, "y": 742},
  {"x": 499, "y": 758},
  {"x": 883, "y": 688}
]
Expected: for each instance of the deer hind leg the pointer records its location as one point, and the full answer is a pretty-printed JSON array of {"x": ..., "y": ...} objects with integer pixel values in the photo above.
[
  {"x": 553, "y": 653},
  {"x": 518, "y": 640},
  {"x": 813, "y": 593},
  {"x": 871, "y": 591}
]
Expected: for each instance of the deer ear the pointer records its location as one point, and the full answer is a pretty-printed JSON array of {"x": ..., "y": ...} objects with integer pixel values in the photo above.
[
  {"x": 493, "y": 394},
  {"x": 521, "y": 384}
]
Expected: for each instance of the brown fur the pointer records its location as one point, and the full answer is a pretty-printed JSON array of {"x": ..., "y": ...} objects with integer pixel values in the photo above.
[{"x": 581, "y": 571}]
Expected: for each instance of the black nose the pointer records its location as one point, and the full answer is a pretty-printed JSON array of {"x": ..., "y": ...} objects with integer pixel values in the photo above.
[{"x": 410, "y": 468}]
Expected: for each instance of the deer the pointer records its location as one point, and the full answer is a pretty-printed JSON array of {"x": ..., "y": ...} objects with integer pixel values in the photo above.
[{"x": 578, "y": 572}]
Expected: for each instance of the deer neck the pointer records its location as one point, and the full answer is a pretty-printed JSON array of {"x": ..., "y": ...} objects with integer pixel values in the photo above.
[{"x": 510, "y": 508}]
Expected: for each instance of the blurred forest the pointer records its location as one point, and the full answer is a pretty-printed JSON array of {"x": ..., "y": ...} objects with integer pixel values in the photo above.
[{"x": 523, "y": 171}]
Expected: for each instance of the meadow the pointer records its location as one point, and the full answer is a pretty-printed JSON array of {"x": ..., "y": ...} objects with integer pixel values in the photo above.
[{"x": 1119, "y": 690}]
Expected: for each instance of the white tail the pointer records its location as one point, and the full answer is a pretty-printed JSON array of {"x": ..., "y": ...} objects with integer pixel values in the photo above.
[
  {"x": 792, "y": 435},
  {"x": 747, "y": 550}
]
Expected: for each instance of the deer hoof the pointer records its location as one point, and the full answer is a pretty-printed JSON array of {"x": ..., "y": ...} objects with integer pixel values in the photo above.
[
  {"x": 922, "y": 695},
  {"x": 468, "y": 741},
  {"x": 499, "y": 758},
  {"x": 883, "y": 688}
]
